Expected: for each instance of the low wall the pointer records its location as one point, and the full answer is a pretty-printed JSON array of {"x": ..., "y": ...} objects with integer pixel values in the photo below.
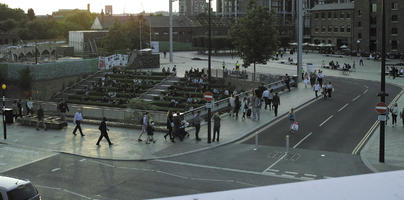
[{"x": 45, "y": 71}]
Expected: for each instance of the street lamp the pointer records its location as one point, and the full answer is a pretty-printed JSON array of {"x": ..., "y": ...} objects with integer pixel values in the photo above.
[
  {"x": 209, "y": 72},
  {"x": 383, "y": 93},
  {"x": 358, "y": 42},
  {"x": 4, "y": 87}
]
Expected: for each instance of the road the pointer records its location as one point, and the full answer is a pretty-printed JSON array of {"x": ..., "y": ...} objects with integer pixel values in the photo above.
[{"x": 337, "y": 124}]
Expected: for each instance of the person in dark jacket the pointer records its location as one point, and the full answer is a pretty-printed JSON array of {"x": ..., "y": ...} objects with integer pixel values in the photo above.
[
  {"x": 237, "y": 106},
  {"x": 103, "y": 130},
  {"x": 63, "y": 108},
  {"x": 197, "y": 124},
  {"x": 275, "y": 103},
  {"x": 19, "y": 106},
  {"x": 41, "y": 115},
  {"x": 216, "y": 127},
  {"x": 170, "y": 126}
]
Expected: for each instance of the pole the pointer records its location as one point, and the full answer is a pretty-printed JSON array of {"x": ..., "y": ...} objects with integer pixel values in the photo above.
[
  {"x": 171, "y": 30},
  {"x": 300, "y": 41},
  {"x": 287, "y": 143},
  {"x": 150, "y": 36},
  {"x": 36, "y": 53},
  {"x": 140, "y": 33},
  {"x": 4, "y": 115},
  {"x": 256, "y": 143},
  {"x": 383, "y": 82},
  {"x": 209, "y": 75}
]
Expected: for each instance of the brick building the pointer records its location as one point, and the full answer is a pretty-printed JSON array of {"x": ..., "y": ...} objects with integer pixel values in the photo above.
[
  {"x": 368, "y": 25},
  {"x": 332, "y": 24}
]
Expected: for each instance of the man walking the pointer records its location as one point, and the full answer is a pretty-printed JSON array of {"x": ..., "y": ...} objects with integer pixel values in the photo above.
[
  {"x": 329, "y": 89},
  {"x": 103, "y": 130},
  {"x": 216, "y": 127},
  {"x": 78, "y": 118},
  {"x": 197, "y": 124},
  {"x": 287, "y": 81},
  {"x": 257, "y": 108},
  {"x": 276, "y": 102},
  {"x": 144, "y": 125},
  {"x": 361, "y": 61},
  {"x": 317, "y": 88},
  {"x": 265, "y": 95},
  {"x": 41, "y": 116}
]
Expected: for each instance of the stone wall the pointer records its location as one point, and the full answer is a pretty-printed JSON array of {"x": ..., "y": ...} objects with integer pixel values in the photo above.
[{"x": 46, "y": 71}]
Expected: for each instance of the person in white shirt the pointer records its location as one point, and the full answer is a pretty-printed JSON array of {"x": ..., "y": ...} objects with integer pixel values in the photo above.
[
  {"x": 145, "y": 123},
  {"x": 317, "y": 88},
  {"x": 394, "y": 113},
  {"x": 226, "y": 93},
  {"x": 30, "y": 106},
  {"x": 329, "y": 89},
  {"x": 265, "y": 95},
  {"x": 78, "y": 118}
]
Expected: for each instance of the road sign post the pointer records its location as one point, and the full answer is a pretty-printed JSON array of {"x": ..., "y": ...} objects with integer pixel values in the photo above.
[{"x": 381, "y": 108}]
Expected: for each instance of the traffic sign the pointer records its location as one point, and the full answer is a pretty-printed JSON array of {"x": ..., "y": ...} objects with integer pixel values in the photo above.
[
  {"x": 381, "y": 108},
  {"x": 382, "y": 118},
  {"x": 208, "y": 96}
]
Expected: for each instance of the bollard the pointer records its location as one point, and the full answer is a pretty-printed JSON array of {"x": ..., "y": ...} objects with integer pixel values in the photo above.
[
  {"x": 256, "y": 143},
  {"x": 287, "y": 143}
]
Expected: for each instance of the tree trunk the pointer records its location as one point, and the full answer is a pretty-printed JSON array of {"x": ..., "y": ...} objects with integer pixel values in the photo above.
[{"x": 254, "y": 72}]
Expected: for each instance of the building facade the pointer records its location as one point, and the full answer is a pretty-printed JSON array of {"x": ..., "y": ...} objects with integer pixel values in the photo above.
[
  {"x": 332, "y": 24},
  {"x": 368, "y": 26},
  {"x": 192, "y": 7}
]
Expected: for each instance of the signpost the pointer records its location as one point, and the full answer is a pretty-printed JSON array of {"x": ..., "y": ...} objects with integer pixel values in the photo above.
[
  {"x": 381, "y": 108},
  {"x": 208, "y": 96}
]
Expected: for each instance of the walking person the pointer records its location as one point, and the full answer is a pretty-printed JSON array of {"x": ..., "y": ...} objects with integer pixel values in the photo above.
[
  {"x": 232, "y": 103},
  {"x": 320, "y": 77},
  {"x": 276, "y": 102},
  {"x": 29, "y": 105},
  {"x": 150, "y": 132},
  {"x": 287, "y": 81},
  {"x": 197, "y": 124},
  {"x": 63, "y": 108},
  {"x": 78, "y": 118},
  {"x": 306, "y": 80},
  {"x": 237, "y": 105},
  {"x": 394, "y": 113},
  {"x": 265, "y": 96},
  {"x": 257, "y": 108},
  {"x": 170, "y": 126},
  {"x": 292, "y": 119},
  {"x": 402, "y": 115},
  {"x": 361, "y": 61},
  {"x": 19, "y": 107},
  {"x": 244, "y": 107},
  {"x": 317, "y": 88},
  {"x": 216, "y": 127},
  {"x": 103, "y": 132},
  {"x": 41, "y": 116},
  {"x": 145, "y": 121},
  {"x": 329, "y": 89}
]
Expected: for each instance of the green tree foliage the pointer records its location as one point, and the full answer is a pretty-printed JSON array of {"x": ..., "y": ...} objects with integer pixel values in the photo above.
[
  {"x": 31, "y": 14},
  {"x": 127, "y": 36},
  {"x": 255, "y": 37},
  {"x": 8, "y": 13},
  {"x": 25, "y": 79}
]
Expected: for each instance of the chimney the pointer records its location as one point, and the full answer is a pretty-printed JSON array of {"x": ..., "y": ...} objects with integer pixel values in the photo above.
[{"x": 88, "y": 7}]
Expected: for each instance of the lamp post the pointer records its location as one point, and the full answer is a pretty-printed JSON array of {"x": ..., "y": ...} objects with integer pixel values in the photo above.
[
  {"x": 4, "y": 87},
  {"x": 358, "y": 42},
  {"x": 383, "y": 93},
  {"x": 209, "y": 73}
]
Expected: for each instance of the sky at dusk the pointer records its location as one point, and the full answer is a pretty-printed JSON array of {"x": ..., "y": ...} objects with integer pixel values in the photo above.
[{"x": 43, "y": 7}]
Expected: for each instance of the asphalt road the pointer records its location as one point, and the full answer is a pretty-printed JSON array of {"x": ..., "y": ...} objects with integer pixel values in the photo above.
[{"x": 337, "y": 124}]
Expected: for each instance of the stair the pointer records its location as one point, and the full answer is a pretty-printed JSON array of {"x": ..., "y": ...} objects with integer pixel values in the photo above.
[{"x": 158, "y": 88}]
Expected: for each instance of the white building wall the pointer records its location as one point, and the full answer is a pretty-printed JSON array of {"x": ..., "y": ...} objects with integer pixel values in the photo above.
[{"x": 76, "y": 40}]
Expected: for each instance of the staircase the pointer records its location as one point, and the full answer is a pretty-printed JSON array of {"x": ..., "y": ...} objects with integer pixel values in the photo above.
[{"x": 158, "y": 88}]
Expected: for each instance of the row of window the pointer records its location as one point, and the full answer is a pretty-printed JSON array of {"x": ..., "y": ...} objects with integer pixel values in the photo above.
[
  {"x": 372, "y": 32},
  {"x": 331, "y": 15},
  {"x": 334, "y": 29}
]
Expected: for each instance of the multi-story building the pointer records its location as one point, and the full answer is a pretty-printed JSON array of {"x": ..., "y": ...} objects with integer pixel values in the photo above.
[
  {"x": 192, "y": 7},
  {"x": 368, "y": 25},
  {"x": 332, "y": 24}
]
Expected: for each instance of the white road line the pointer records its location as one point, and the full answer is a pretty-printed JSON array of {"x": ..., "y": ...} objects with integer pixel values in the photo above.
[
  {"x": 289, "y": 172},
  {"x": 328, "y": 177},
  {"x": 326, "y": 120},
  {"x": 364, "y": 92},
  {"x": 356, "y": 98},
  {"x": 83, "y": 160},
  {"x": 276, "y": 162},
  {"x": 302, "y": 140},
  {"x": 310, "y": 175},
  {"x": 287, "y": 175},
  {"x": 342, "y": 108},
  {"x": 55, "y": 170},
  {"x": 273, "y": 170},
  {"x": 64, "y": 190}
]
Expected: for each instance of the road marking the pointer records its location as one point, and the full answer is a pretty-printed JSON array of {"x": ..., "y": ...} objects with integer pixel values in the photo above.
[
  {"x": 364, "y": 92},
  {"x": 365, "y": 138},
  {"x": 55, "y": 170},
  {"x": 82, "y": 160},
  {"x": 342, "y": 108},
  {"x": 273, "y": 170},
  {"x": 276, "y": 162},
  {"x": 27, "y": 163},
  {"x": 356, "y": 98},
  {"x": 64, "y": 190},
  {"x": 287, "y": 175},
  {"x": 366, "y": 86},
  {"x": 310, "y": 175},
  {"x": 289, "y": 172},
  {"x": 326, "y": 120},
  {"x": 302, "y": 140},
  {"x": 226, "y": 169}
]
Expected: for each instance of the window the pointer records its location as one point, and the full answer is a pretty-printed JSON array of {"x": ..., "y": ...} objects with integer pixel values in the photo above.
[
  {"x": 394, "y": 30},
  {"x": 329, "y": 15},
  {"x": 394, "y": 6},
  {"x": 316, "y": 29},
  {"x": 336, "y": 29},
  {"x": 359, "y": 35},
  {"x": 335, "y": 15},
  {"x": 373, "y": 20},
  {"x": 359, "y": 13},
  {"x": 341, "y": 15},
  {"x": 316, "y": 15},
  {"x": 323, "y": 29},
  {"x": 394, "y": 44},
  {"x": 342, "y": 29},
  {"x": 359, "y": 24},
  {"x": 372, "y": 32},
  {"x": 329, "y": 28},
  {"x": 394, "y": 18},
  {"x": 348, "y": 15},
  {"x": 374, "y": 7},
  {"x": 329, "y": 42},
  {"x": 348, "y": 29},
  {"x": 322, "y": 15}
]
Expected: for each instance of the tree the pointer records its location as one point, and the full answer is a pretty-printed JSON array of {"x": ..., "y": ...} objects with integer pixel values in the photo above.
[
  {"x": 255, "y": 37},
  {"x": 31, "y": 14},
  {"x": 116, "y": 38}
]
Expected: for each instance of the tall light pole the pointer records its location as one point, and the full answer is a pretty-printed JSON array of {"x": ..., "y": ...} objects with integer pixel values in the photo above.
[
  {"x": 4, "y": 87},
  {"x": 382, "y": 93},
  {"x": 140, "y": 34},
  {"x": 209, "y": 72},
  {"x": 300, "y": 41},
  {"x": 171, "y": 30}
]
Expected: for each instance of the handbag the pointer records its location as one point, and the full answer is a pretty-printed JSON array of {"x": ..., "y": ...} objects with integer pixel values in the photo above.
[{"x": 294, "y": 126}]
